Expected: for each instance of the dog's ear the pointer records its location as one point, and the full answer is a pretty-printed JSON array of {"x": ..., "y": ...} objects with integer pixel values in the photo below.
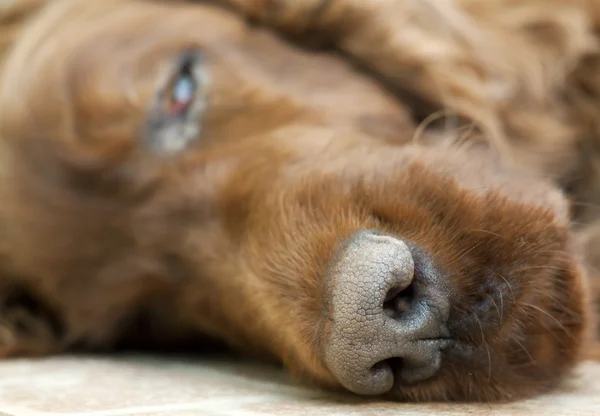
[{"x": 28, "y": 326}]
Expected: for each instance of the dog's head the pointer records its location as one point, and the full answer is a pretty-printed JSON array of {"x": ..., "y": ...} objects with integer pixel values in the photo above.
[{"x": 144, "y": 156}]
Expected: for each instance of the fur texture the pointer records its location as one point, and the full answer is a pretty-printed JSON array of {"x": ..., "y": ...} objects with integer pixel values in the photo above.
[{"x": 452, "y": 124}]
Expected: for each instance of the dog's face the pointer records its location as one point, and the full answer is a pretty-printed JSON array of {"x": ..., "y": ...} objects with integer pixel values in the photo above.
[{"x": 144, "y": 165}]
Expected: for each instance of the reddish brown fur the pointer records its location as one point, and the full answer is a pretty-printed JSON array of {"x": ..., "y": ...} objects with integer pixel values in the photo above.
[{"x": 232, "y": 238}]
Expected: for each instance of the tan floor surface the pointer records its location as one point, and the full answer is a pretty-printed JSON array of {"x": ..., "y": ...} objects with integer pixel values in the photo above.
[{"x": 130, "y": 385}]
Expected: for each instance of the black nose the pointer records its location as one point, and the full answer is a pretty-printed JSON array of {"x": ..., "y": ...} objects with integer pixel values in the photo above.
[{"x": 382, "y": 309}]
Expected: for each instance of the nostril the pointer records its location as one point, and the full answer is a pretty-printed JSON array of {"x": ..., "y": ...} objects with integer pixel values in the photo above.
[
  {"x": 380, "y": 379},
  {"x": 398, "y": 301},
  {"x": 421, "y": 365},
  {"x": 414, "y": 366}
]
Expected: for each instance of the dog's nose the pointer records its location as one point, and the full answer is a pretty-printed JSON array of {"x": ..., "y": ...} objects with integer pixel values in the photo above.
[{"x": 386, "y": 314}]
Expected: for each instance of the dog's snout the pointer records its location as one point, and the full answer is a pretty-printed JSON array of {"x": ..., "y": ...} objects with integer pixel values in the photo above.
[{"x": 386, "y": 322}]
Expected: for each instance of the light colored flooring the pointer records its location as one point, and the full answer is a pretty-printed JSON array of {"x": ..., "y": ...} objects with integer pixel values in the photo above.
[{"x": 143, "y": 385}]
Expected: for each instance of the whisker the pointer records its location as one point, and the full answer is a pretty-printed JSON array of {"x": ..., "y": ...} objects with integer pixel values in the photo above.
[
  {"x": 505, "y": 281},
  {"x": 501, "y": 306},
  {"x": 537, "y": 308},
  {"x": 495, "y": 305},
  {"x": 531, "y": 360},
  {"x": 546, "y": 267},
  {"x": 487, "y": 347},
  {"x": 489, "y": 354},
  {"x": 463, "y": 255}
]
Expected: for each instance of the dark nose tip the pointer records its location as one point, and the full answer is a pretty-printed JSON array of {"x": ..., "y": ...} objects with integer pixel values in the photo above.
[{"x": 386, "y": 317}]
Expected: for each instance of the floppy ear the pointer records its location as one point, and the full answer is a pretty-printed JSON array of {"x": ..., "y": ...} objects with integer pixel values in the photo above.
[
  {"x": 82, "y": 221},
  {"x": 27, "y": 326}
]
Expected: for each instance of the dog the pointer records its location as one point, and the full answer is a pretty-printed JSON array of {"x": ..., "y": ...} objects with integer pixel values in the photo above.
[{"x": 392, "y": 198}]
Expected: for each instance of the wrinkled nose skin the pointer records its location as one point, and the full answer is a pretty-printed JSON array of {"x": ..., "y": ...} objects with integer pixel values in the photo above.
[{"x": 384, "y": 300}]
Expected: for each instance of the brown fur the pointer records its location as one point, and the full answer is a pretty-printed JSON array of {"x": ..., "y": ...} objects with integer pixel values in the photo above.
[{"x": 102, "y": 239}]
